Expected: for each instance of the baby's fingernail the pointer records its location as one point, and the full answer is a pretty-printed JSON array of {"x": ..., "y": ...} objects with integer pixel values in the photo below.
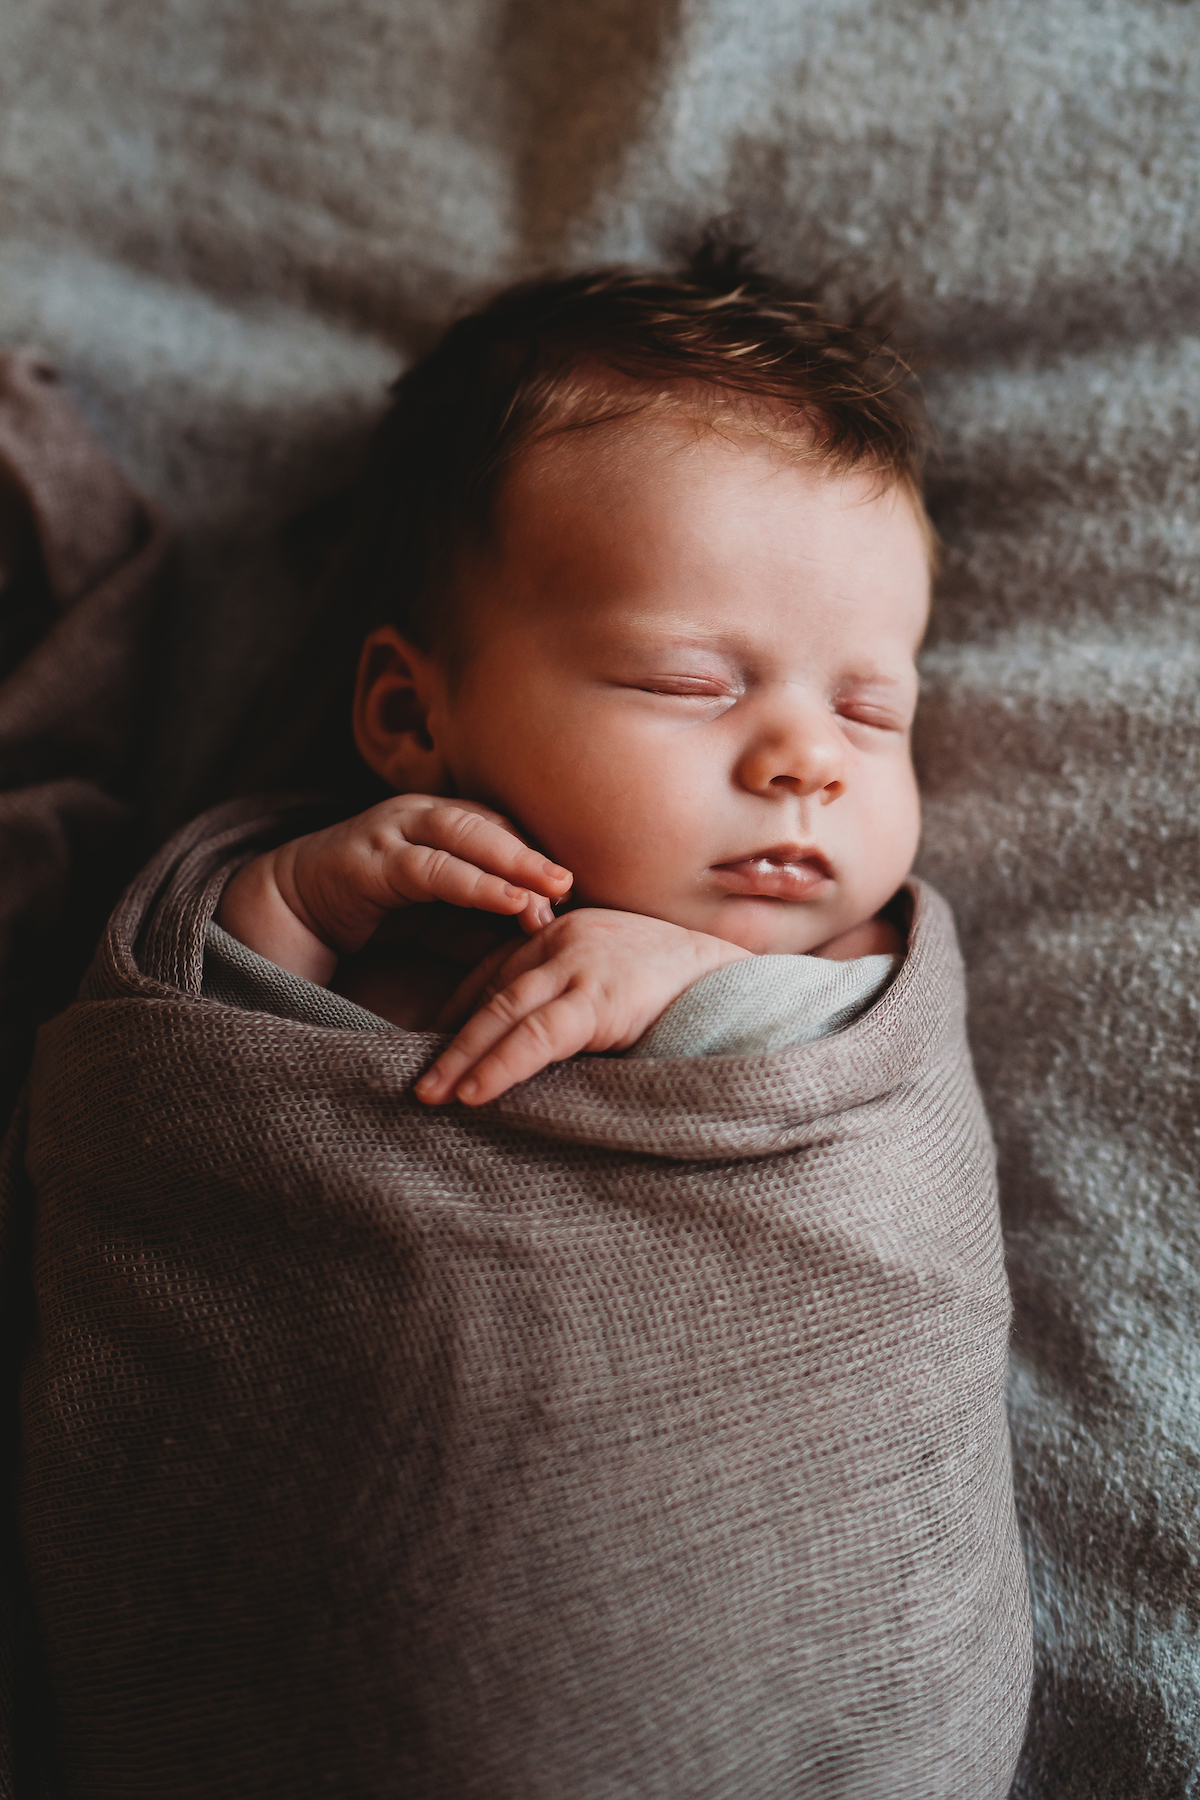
[
  {"x": 554, "y": 873},
  {"x": 515, "y": 893},
  {"x": 467, "y": 1089}
]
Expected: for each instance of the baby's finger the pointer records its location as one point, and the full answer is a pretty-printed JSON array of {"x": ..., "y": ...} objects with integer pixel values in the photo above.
[
  {"x": 484, "y": 844},
  {"x": 537, "y": 915},
  {"x": 485, "y": 1028},
  {"x": 551, "y": 1034},
  {"x": 416, "y": 873}
]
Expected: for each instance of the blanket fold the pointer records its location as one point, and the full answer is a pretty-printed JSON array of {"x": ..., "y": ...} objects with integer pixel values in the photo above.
[
  {"x": 642, "y": 1433},
  {"x": 766, "y": 1003},
  {"x": 82, "y": 561}
]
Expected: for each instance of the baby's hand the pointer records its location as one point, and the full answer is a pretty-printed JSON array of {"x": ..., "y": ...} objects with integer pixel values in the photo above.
[
  {"x": 323, "y": 896},
  {"x": 592, "y": 980}
]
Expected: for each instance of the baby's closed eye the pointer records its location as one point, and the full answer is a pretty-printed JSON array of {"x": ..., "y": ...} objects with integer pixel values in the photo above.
[
  {"x": 685, "y": 687},
  {"x": 871, "y": 713}
]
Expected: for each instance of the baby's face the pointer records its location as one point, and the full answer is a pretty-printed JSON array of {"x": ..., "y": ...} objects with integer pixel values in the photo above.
[{"x": 690, "y": 679}]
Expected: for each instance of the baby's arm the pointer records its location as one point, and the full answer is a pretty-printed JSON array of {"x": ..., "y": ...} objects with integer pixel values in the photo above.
[
  {"x": 321, "y": 897},
  {"x": 592, "y": 980}
]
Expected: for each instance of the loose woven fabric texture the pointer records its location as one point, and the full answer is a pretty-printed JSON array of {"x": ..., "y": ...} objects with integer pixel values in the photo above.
[{"x": 643, "y": 1433}]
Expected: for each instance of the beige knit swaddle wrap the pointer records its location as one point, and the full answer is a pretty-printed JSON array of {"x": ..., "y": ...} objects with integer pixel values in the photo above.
[{"x": 641, "y": 1435}]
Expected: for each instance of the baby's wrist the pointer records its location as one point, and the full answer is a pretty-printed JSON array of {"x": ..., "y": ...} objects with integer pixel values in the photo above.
[
  {"x": 714, "y": 952},
  {"x": 260, "y": 911},
  {"x": 705, "y": 954}
]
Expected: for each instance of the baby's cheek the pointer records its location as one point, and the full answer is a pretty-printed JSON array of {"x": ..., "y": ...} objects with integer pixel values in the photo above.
[
  {"x": 619, "y": 860},
  {"x": 897, "y": 852}
]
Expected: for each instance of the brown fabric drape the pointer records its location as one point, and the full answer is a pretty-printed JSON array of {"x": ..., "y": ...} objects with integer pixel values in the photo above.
[
  {"x": 82, "y": 562},
  {"x": 82, "y": 558},
  {"x": 642, "y": 1433}
]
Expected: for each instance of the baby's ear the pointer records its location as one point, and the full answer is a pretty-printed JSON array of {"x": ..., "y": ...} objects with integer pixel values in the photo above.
[{"x": 397, "y": 686}]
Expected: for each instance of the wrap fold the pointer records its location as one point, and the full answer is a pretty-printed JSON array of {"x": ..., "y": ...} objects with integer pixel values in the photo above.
[
  {"x": 83, "y": 562},
  {"x": 642, "y": 1433}
]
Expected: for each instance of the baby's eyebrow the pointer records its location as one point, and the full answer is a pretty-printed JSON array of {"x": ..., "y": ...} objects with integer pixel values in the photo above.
[
  {"x": 874, "y": 678},
  {"x": 663, "y": 637},
  {"x": 657, "y": 644},
  {"x": 683, "y": 635}
]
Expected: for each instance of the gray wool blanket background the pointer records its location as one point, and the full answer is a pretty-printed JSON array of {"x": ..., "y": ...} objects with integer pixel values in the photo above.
[{"x": 229, "y": 229}]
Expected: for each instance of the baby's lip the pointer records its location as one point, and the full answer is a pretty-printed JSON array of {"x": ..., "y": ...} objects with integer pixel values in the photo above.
[{"x": 786, "y": 872}]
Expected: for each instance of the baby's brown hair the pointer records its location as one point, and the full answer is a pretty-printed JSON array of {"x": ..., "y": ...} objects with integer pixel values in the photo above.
[{"x": 510, "y": 374}]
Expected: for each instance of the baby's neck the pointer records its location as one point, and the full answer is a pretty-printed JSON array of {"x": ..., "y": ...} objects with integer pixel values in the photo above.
[
  {"x": 417, "y": 960},
  {"x": 879, "y": 936}
]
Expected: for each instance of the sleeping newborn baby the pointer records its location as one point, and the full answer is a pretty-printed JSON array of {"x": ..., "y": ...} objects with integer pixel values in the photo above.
[
  {"x": 676, "y": 656},
  {"x": 608, "y": 1398}
]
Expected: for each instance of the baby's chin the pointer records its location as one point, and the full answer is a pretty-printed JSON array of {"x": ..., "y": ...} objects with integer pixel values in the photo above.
[
  {"x": 771, "y": 927},
  {"x": 763, "y": 926}
]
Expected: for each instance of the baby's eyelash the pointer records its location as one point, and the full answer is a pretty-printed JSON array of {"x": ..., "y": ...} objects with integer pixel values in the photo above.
[
  {"x": 682, "y": 688},
  {"x": 862, "y": 713}
]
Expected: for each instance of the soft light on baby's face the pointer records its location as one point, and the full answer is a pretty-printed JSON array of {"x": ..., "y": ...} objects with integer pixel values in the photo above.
[{"x": 689, "y": 678}]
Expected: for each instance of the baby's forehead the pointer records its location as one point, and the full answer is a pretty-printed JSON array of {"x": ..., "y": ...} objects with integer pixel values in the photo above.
[
  {"x": 649, "y": 530},
  {"x": 643, "y": 474},
  {"x": 641, "y": 441},
  {"x": 667, "y": 449}
]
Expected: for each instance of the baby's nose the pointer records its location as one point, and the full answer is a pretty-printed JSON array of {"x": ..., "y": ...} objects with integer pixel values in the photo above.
[{"x": 805, "y": 756}]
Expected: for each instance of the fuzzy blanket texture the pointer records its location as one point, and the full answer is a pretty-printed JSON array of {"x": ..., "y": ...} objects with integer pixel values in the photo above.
[
  {"x": 229, "y": 229},
  {"x": 641, "y": 1433}
]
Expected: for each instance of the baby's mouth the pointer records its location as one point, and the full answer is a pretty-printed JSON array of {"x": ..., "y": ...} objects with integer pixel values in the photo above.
[{"x": 788, "y": 872}]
